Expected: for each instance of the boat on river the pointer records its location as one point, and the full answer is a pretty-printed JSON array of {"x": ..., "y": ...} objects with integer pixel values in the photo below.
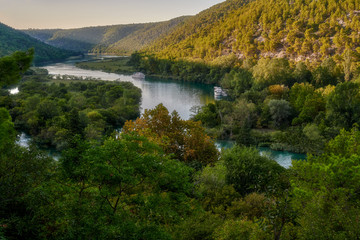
[
  {"x": 138, "y": 75},
  {"x": 219, "y": 92}
]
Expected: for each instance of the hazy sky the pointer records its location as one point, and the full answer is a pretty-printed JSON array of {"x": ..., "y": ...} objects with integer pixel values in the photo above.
[{"x": 23, "y": 14}]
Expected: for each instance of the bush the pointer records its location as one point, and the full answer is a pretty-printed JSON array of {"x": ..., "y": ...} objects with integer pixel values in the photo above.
[{"x": 250, "y": 172}]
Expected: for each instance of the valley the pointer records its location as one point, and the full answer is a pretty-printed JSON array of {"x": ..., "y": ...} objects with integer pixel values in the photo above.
[{"x": 147, "y": 149}]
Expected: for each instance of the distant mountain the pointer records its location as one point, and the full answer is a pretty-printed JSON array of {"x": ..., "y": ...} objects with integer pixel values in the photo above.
[
  {"x": 119, "y": 39},
  {"x": 12, "y": 40},
  {"x": 296, "y": 29}
]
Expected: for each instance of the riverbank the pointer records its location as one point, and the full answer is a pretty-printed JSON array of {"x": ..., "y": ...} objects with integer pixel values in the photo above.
[
  {"x": 220, "y": 118},
  {"x": 118, "y": 65}
]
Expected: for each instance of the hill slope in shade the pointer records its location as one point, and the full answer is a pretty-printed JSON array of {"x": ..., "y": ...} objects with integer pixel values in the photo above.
[
  {"x": 118, "y": 39},
  {"x": 296, "y": 29},
  {"x": 12, "y": 40}
]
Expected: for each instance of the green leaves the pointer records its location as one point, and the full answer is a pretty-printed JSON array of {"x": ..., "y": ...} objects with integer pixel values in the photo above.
[
  {"x": 343, "y": 106},
  {"x": 326, "y": 190},
  {"x": 55, "y": 112},
  {"x": 185, "y": 139},
  {"x": 7, "y": 131},
  {"x": 250, "y": 172},
  {"x": 12, "y": 67}
]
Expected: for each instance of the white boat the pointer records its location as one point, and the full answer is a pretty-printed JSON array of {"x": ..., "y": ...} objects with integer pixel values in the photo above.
[
  {"x": 138, "y": 75},
  {"x": 219, "y": 92}
]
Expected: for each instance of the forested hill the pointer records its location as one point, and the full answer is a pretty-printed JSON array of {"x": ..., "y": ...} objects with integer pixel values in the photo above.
[
  {"x": 12, "y": 40},
  {"x": 296, "y": 29},
  {"x": 119, "y": 39}
]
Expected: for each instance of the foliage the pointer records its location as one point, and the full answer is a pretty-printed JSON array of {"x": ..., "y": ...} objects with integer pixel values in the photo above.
[
  {"x": 240, "y": 230},
  {"x": 271, "y": 71},
  {"x": 179, "y": 69},
  {"x": 250, "y": 172},
  {"x": 114, "y": 65},
  {"x": 298, "y": 30},
  {"x": 185, "y": 139},
  {"x": 200, "y": 225},
  {"x": 53, "y": 113},
  {"x": 280, "y": 111},
  {"x": 307, "y": 139},
  {"x": 116, "y": 39},
  {"x": 12, "y": 40},
  {"x": 208, "y": 116},
  {"x": 325, "y": 191},
  {"x": 7, "y": 131},
  {"x": 343, "y": 105},
  {"x": 14, "y": 66},
  {"x": 237, "y": 82}
]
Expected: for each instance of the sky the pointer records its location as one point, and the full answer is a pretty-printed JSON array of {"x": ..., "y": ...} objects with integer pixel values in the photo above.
[{"x": 23, "y": 14}]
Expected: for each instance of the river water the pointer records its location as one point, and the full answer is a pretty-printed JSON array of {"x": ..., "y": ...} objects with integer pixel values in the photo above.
[
  {"x": 284, "y": 158},
  {"x": 174, "y": 95}
]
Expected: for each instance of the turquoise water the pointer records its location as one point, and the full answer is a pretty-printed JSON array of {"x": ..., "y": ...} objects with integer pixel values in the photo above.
[{"x": 284, "y": 158}]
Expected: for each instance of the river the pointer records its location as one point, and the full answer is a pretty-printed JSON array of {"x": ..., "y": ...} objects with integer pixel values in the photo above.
[{"x": 175, "y": 95}]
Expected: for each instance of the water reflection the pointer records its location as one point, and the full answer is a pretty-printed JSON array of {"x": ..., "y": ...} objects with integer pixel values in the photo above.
[{"x": 175, "y": 95}]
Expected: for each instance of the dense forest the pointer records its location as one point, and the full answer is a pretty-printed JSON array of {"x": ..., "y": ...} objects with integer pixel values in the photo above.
[
  {"x": 297, "y": 30},
  {"x": 116, "y": 39},
  {"x": 51, "y": 111},
  {"x": 12, "y": 40},
  {"x": 292, "y": 75},
  {"x": 162, "y": 177},
  {"x": 291, "y": 69}
]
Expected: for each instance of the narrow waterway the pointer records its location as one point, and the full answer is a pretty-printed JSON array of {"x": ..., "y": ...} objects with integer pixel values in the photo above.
[{"x": 284, "y": 158}]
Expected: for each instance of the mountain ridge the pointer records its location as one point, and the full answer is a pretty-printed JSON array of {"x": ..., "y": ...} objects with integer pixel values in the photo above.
[
  {"x": 294, "y": 29},
  {"x": 117, "y": 39},
  {"x": 12, "y": 40}
]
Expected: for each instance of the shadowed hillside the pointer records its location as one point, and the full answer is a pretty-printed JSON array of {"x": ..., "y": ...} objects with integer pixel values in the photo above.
[
  {"x": 118, "y": 39},
  {"x": 12, "y": 40}
]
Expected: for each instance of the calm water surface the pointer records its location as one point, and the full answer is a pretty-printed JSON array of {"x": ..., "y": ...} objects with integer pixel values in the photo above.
[
  {"x": 284, "y": 158},
  {"x": 175, "y": 95}
]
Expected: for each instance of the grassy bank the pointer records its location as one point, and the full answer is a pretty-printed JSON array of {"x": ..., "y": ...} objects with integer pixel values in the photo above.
[{"x": 113, "y": 65}]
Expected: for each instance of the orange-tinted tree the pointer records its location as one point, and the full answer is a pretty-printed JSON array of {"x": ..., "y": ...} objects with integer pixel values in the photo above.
[{"x": 186, "y": 139}]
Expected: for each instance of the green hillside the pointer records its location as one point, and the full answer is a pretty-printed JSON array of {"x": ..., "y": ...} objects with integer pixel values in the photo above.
[
  {"x": 296, "y": 29},
  {"x": 12, "y": 40},
  {"x": 118, "y": 39}
]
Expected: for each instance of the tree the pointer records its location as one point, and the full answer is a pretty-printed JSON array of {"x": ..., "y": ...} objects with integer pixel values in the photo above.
[
  {"x": 125, "y": 188},
  {"x": 250, "y": 172},
  {"x": 280, "y": 111},
  {"x": 237, "y": 82},
  {"x": 325, "y": 190},
  {"x": 298, "y": 94},
  {"x": 272, "y": 71},
  {"x": 208, "y": 115},
  {"x": 21, "y": 171},
  {"x": 343, "y": 105},
  {"x": 7, "y": 131},
  {"x": 186, "y": 139},
  {"x": 307, "y": 102},
  {"x": 13, "y": 66},
  {"x": 327, "y": 74}
]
